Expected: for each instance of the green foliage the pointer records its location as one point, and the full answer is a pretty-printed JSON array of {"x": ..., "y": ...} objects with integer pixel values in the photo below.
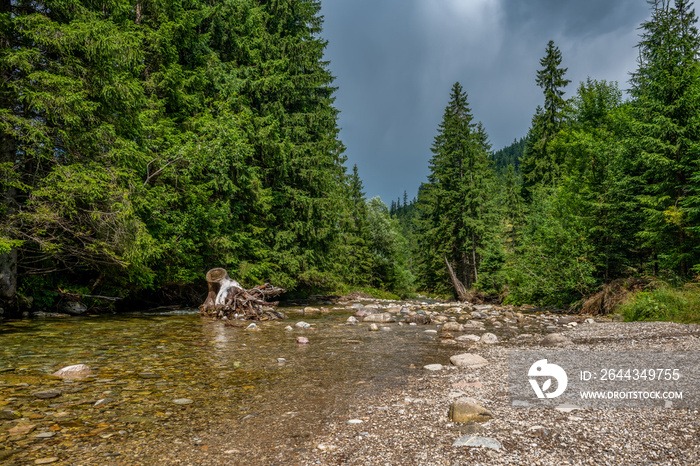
[
  {"x": 552, "y": 263},
  {"x": 665, "y": 303}
]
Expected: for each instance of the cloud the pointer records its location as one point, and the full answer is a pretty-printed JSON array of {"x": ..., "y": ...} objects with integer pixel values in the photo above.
[{"x": 396, "y": 60}]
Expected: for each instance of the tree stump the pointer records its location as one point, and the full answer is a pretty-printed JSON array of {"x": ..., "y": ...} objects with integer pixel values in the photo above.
[{"x": 227, "y": 299}]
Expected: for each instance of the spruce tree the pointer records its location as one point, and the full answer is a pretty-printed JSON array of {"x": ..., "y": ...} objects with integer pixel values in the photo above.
[
  {"x": 457, "y": 203},
  {"x": 539, "y": 165},
  {"x": 667, "y": 133}
]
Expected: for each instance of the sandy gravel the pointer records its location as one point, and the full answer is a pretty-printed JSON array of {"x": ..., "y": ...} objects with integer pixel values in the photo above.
[{"x": 409, "y": 424}]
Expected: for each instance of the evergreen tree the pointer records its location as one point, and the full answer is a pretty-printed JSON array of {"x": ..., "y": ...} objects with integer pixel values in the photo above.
[
  {"x": 539, "y": 165},
  {"x": 458, "y": 203},
  {"x": 667, "y": 132}
]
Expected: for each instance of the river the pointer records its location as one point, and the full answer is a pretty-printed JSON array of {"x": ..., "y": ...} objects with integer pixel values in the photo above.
[{"x": 173, "y": 387}]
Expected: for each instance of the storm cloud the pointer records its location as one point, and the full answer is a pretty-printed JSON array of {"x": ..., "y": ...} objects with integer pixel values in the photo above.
[{"x": 396, "y": 60}]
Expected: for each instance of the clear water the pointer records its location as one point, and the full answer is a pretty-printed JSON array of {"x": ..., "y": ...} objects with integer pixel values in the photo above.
[{"x": 244, "y": 400}]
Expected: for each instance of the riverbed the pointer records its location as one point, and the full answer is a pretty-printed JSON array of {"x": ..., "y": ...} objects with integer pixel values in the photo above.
[{"x": 176, "y": 388}]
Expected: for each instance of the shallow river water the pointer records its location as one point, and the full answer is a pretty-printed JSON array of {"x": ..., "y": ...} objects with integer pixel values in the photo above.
[{"x": 238, "y": 399}]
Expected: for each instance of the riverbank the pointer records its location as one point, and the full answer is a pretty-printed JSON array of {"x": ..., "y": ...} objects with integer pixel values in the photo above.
[
  {"x": 410, "y": 424},
  {"x": 178, "y": 389}
]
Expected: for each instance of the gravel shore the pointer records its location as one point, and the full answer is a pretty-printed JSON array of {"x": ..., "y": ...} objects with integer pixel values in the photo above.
[{"x": 409, "y": 424}]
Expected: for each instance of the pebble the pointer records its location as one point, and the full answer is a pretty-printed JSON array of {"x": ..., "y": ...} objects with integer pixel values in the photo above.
[
  {"x": 352, "y": 320},
  {"x": 302, "y": 324},
  {"x": 555, "y": 339},
  {"x": 183, "y": 401},
  {"x": 44, "y": 395},
  {"x": 49, "y": 460},
  {"x": 432, "y": 332},
  {"x": 468, "y": 337},
  {"x": 252, "y": 326},
  {"x": 477, "y": 441},
  {"x": 373, "y": 327},
  {"x": 302, "y": 341},
  {"x": 489, "y": 338},
  {"x": 355, "y": 421},
  {"x": 433, "y": 367}
]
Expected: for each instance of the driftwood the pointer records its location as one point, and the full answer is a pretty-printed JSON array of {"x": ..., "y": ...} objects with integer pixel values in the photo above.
[
  {"x": 459, "y": 287},
  {"x": 227, "y": 299}
]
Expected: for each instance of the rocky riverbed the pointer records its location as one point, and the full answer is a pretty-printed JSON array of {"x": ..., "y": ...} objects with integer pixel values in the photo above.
[{"x": 368, "y": 382}]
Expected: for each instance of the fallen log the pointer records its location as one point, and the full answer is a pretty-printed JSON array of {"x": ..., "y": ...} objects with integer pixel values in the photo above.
[
  {"x": 228, "y": 300},
  {"x": 459, "y": 287}
]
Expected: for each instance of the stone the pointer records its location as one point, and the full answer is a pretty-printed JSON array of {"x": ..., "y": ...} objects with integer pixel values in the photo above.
[
  {"x": 49, "y": 460},
  {"x": 45, "y": 435},
  {"x": 183, "y": 401},
  {"x": 46, "y": 394},
  {"x": 567, "y": 407},
  {"x": 385, "y": 329},
  {"x": 373, "y": 327},
  {"x": 589, "y": 321},
  {"x": 489, "y": 338},
  {"x": 73, "y": 372},
  {"x": 73, "y": 308},
  {"x": 477, "y": 441},
  {"x": 22, "y": 429},
  {"x": 302, "y": 341},
  {"x": 394, "y": 310},
  {"x": 440, "y": 319},
  {"x": 468, "y": 337},
  {"x": 430, "y": 331},
  {"x": 452, "y": 327},
  {"x": 468, "y": 360},
  {"x": 352, "y": 320},
  {"x": 418, "y": 319},
  {"x": 555, "y": 339},
  {"x": 302, "y": 324},
  {"x": 355, "y": 421},
  {"x": 465, "y": 410},
  {"x": 7, "y": 415},
  {"x": 383, "y": 318},
  {"x": 289, "y": 328},
  {"x": 433, "y": 367},
  {"x": 364, "y": 312},
  {"x": 483, "y": 307},
  {"x": 311, "y": 310},
  {"x": 252, "y": 326}
]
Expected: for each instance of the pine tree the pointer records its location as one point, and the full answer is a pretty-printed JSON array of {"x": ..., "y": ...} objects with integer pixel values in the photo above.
[
  {"x": 457, "y": 203},
  {"x": 539, "y": 165},
  {"x": 666, "y": 88}
]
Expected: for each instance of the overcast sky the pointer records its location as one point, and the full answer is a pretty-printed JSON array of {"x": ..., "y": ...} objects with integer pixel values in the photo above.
[{"x": 395, "y": 62}]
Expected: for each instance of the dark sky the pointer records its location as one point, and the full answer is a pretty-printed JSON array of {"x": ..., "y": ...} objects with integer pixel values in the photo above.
[{"x": 396, "y": 60}]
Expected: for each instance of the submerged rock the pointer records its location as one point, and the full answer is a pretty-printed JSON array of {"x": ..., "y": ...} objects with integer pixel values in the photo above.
[{"x": 73, "y": 372}]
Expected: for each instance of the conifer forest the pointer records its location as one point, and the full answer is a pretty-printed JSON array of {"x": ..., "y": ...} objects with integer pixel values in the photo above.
[{"x": 144, "y": 143}]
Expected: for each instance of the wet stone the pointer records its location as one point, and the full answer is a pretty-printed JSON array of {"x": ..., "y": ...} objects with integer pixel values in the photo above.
[{"x": 47, "y": 394}]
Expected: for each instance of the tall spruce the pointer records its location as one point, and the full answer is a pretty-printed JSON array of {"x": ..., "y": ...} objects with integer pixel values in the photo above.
[
  {"x": 540, "y": 165},
  {"x": 457, "y": 202},
  {"x": 667, "y": 132}
]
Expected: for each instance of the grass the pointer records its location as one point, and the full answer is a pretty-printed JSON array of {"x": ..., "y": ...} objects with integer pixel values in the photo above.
[{"x": 664, "y": 303}]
